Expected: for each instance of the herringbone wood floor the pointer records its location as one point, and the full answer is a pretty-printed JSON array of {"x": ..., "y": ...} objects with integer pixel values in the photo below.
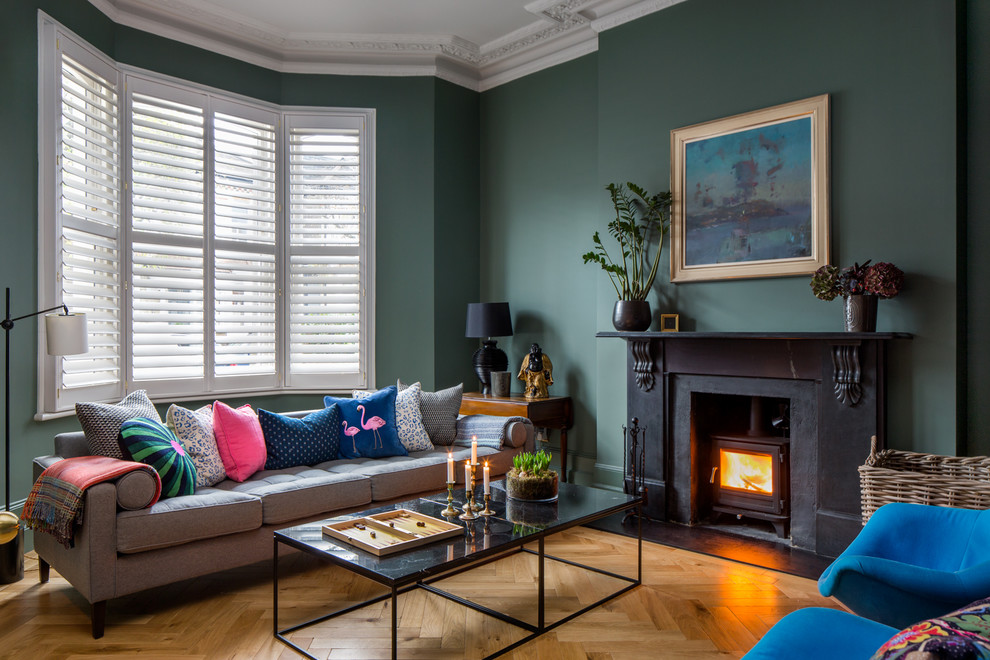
[{"x": 689, "y": 606}]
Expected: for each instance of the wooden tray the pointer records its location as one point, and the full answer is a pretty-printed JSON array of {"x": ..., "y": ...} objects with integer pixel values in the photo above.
[{"x": 392, "y": 531}]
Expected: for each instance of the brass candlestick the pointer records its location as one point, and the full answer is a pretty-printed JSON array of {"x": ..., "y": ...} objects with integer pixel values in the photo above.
[
  {"x": 470, "y": 508},
  {"x": 450, "y": 511},
  {"x": 487, "y": 511},
  {"x": 474, "y": 483}
]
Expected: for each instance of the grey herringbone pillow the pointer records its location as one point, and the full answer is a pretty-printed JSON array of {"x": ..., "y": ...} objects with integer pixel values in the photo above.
[
  {"x": 440, "y": 411},
  {"x": 101, "y": 422}
]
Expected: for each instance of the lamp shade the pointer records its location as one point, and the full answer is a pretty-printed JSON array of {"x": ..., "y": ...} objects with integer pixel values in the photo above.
[
  {"x": 488, "y": 320},
  {"x": 66, "y": 334}
]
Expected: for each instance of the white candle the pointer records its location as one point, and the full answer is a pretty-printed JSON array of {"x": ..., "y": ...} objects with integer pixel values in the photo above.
[
  {"x": 474, "y": 450},
  {"x": 488, "y": 488},
  {"x": 467, "y": 475},
  {"x": 450, "y": 467}
]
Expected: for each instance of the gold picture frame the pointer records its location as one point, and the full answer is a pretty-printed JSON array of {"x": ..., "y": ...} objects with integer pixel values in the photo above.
[
  {"x": 750, "y": 194},
  {"x": 670, "y": 323}
]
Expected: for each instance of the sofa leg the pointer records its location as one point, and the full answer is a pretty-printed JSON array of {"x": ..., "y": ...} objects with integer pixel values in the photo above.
[
  {"x": 99, "y": 618},
  {"x": 43, "y": 570}
]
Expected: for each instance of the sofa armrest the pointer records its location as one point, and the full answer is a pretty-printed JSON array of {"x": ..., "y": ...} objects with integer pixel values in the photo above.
[
  {"x": 513, "y": 432},
  {"x": 91, "y": 564},
  {"x": 520, "y": 435}
]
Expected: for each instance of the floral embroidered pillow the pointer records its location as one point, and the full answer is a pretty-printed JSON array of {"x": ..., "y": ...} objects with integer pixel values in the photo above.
[
  {"x": 408, "y": 418},
  {"x": 194, "y": 429},
  {"x": 960, "y": 635}
]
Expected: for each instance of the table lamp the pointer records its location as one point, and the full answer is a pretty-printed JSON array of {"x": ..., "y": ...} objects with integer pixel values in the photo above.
[
  {"x": 66, "y": 335},
  {"x": 488, "y": 320}
]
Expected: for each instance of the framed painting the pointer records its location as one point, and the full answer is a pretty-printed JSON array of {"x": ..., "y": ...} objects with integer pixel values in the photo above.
[{"x": 750, "y": 194}]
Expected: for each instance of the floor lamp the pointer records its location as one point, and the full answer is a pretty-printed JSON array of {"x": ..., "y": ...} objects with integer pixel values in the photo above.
[{"x": 66, "y": 335}]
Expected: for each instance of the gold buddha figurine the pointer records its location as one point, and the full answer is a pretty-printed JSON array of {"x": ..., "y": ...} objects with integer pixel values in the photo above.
[{"x": 536, "y": 371}]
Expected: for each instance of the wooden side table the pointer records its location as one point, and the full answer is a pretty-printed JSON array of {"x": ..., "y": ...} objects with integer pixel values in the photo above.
[{"x": 555, "y": 412}]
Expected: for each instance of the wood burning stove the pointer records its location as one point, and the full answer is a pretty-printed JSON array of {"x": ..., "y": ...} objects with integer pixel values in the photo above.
[
  {"x": 749, "y": 471},
  {"x": 749, "y": 478}
]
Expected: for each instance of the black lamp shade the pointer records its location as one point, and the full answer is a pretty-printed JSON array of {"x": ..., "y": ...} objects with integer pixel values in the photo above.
[{"x": 488, "y": 320}]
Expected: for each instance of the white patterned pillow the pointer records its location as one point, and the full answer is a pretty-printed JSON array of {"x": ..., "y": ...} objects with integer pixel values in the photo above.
[
  {"x": 194, "y": 429},
  {"x": 101, "y": 422},
  {"x": 408, "y": 418}
]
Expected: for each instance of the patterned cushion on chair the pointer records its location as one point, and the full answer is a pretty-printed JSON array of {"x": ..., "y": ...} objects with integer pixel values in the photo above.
[
  {"x": 101, "y": 421},
  {"x": 960, "y": 635},
  {"x": 440, "y": 411},
  {"x": 150, "y": 442}
]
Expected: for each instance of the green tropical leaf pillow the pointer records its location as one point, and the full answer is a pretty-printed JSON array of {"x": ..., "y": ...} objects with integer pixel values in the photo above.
[{"x": 150, "y": 442}]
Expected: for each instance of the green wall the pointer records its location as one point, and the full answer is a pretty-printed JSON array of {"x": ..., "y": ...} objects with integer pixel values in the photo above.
[
  {"x": 977, "y": 357},
  {"x": 889, "y": 67},
  {"x": 540, "y": 197},
  {"x": 427, "y": 200}
]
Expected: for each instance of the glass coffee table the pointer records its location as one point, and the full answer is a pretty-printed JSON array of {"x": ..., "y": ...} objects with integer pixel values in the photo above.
[{"x": 488, "y": 538}]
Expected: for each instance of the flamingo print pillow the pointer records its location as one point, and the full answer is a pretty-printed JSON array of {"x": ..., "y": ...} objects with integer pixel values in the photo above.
[
  {"x": 308, "y": 441},
  {"x": 368, "y": 425}
]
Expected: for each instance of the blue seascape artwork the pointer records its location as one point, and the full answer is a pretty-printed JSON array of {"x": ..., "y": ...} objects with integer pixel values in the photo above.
[{"x": 748, "y": 195}]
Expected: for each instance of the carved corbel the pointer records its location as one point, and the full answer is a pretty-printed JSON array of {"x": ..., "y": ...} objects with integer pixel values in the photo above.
[
  {"x": 847, "y": 373},
  {"x": 642, "y": 363}
]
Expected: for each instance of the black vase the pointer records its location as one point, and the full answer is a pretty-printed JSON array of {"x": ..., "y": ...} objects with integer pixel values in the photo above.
[
  {"x": 631, "y": 315},
  {"x": 861, "y": 313}
]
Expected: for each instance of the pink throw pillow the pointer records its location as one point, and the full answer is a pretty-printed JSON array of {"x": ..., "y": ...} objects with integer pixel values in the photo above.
[{"x": 239, "y": 440}]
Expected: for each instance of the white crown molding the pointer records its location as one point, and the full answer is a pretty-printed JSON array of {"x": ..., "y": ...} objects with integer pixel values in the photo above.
[{"x": 561, "y": 30}]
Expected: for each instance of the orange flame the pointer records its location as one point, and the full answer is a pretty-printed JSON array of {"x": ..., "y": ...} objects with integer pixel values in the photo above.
[{"x": 745, "y": 471}]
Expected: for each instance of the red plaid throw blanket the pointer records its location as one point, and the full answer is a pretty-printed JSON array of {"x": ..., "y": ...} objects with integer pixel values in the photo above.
[{"x": 56, "y": 499}]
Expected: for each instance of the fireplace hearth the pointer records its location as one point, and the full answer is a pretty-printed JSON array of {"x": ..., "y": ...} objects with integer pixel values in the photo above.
[{"x": 700, "y": 393}]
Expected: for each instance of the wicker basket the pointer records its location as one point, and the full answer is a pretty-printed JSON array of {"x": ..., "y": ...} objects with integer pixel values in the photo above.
[{"x": 903, "y": 476}]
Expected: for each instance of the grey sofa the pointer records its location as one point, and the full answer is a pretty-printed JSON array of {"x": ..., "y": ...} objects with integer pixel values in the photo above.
[{"x": 122, "y": 547}]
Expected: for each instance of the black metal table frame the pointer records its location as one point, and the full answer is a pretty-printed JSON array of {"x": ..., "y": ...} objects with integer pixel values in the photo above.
[{"x": 403, "y": 585}]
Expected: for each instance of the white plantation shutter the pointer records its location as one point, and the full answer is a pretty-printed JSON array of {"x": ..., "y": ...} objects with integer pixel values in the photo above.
[
  {"x": 218, "y": 245},
  {"x": 167, "y": 236},
  {"x": 88, "y": 221},
  {"x": 328, "y": 245},
  {"x": 245, "y": 233}
]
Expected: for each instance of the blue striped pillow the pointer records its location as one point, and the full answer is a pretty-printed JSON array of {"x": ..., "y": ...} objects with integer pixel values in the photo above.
[{"x": 152, "y": 443}]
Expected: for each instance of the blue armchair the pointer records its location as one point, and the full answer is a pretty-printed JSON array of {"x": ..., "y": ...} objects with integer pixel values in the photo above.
[
  {"x": 818, "y": 633},
  {"x": 913, "y": 562}
]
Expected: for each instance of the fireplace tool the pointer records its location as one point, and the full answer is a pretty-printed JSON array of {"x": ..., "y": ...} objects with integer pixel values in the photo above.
[{"x": 634, "y": 449}]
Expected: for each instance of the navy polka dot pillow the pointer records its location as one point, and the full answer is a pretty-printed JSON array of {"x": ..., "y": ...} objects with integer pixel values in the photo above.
[{"x": 291, "y": 441}]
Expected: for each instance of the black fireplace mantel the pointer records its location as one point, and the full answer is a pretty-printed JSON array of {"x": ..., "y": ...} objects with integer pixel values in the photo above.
[{"x": 836, "y": 380}]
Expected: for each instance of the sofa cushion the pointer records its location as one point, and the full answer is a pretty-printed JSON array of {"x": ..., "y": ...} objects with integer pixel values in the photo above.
[
  {"x": 399, "y": 476},
  {"x": 408, "y": 418},
  {"x": 290, "y": 441},
  {"x": 240, "y": 442},
  {"x": 101, "y": 421},
  {"x": 194, "y": 429},
  {"x": 294, "y": 493},
  {"x": 150, "y": 442},
  {"x": 961, "y": 635},
  {"x": 440, "y": 410},
  {"x": 209, "y": 513},
  {"x": 368, "y": 425}
]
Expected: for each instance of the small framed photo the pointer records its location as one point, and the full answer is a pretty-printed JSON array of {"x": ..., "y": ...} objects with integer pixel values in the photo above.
[{"x": 670, "y": 323}]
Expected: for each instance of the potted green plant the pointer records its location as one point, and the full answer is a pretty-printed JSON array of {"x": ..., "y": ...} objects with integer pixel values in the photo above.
[
  {"x": 530, "y": 478},
  {"x": 861, "y": 286},
  {"x": 640, "y": 220}
]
